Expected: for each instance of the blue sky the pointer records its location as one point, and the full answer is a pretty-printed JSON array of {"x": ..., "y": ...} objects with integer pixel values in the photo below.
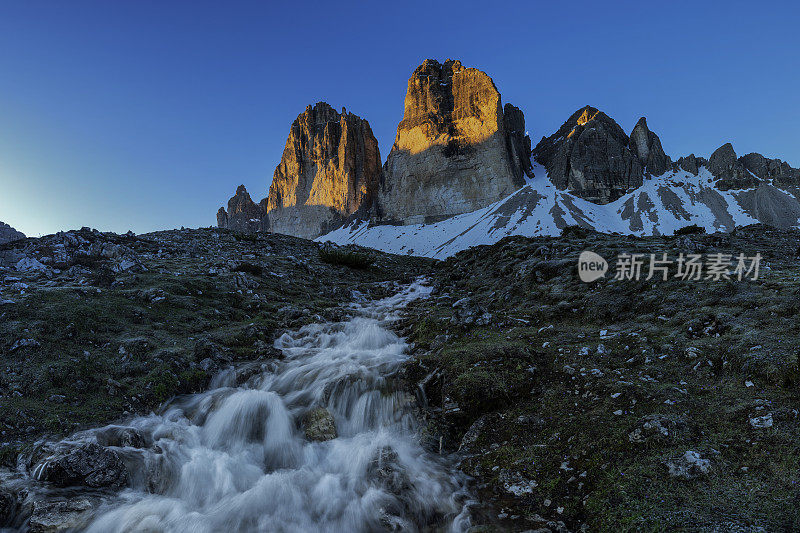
[{"x": 146, "y": 115}]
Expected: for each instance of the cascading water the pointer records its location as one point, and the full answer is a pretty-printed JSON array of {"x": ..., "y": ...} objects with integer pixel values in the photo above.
[{"x": 236, "y": 459}]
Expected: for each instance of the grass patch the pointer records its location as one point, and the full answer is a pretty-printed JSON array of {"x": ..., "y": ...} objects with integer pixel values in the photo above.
[{"x": 346, "y": 257}]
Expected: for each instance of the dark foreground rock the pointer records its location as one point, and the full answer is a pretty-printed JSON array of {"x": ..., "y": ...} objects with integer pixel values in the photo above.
[{"x": 85, "y": 465}]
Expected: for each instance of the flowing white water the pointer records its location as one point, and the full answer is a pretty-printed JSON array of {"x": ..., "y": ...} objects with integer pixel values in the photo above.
[{"x": 236, "y": 458}]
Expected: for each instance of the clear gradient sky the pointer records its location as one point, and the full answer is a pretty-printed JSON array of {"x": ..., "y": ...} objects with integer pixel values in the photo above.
[{"x": 146, "y": 115}]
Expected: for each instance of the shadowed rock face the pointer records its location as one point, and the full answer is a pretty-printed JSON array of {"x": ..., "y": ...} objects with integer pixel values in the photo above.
[
  {"x": 691, "y": 163},
  {"x": 456, "y": 150},
  {"x": 330, "y": 168},
  {"x": 646, "y": 146},
  {"x": 8, "y": 234},
  {"x": 771, "y": 169},
  {"x": 730, "y": 171},
  {"x": 243, "y": 215},
  {"x": 749, "y": 170},
  {"x": 590, "y": 156}
]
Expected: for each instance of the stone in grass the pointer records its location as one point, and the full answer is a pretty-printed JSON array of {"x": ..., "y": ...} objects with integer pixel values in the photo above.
[
  {"x": 690, "y": 465},
  {"x": 761, "y": 422},
  {"x": 320, "y": 425},
  {"x": 660, "y": 428}
]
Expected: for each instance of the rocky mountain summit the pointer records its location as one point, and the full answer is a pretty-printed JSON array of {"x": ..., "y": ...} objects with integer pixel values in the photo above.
[
  {"x": 750, "y": 170},
  {"x": 457, "y": 148},
  {"x": 330, "y": 169},
  {"x": 461, "y": 172},
  {"x": 591, "y": 156},
  {"x": 8, "y": 234},
  {"x": 243, "y": 214}
]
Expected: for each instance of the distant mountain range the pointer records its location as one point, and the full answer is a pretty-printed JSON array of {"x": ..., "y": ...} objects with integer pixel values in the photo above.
[
  {"x": 8, "y": 234},
  {"x": 462, "y": 172}
]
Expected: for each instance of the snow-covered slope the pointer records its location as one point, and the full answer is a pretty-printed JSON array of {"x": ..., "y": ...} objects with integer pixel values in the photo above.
[{"x": 659, "y": 207}]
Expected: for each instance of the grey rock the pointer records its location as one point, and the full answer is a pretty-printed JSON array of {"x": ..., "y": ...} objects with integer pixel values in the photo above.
[
  {"x": 28, "y": 264},
  {"x": 762, "y": 422},
  {"x": 320, "y": 425},
  {"x": 646, "y": 146},
  {"x": 61, "y": 515},
  {"x": 690, "y": 465},
  {"x": 589, "y": 155},
  {"x": 386, "y": 468},
  {"x": 121, "y": 437},
  {"x": 660, "y": 428},
  {"x": 88, "y": 465}
]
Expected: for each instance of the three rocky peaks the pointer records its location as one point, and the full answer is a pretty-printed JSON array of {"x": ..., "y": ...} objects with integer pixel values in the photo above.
[{"x": 458, "y": 149}]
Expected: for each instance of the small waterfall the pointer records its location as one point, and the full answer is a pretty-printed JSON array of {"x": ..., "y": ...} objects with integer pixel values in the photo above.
[{"x": 236, "y": 458}]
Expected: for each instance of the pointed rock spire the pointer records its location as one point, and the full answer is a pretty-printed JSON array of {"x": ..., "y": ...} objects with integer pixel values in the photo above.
[
  {"x": 589, "y": 156},
  {"x": 646, "y": 146}
]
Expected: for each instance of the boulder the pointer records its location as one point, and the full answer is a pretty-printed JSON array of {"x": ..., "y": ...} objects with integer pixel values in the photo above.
[
  {"x": 121, "y": 437},
  {"x": 320, "y": 425},
  {"x": 457, "y": 148},
  {"x": 88, "y": 465},
  {"x": 60, "y": 515},
  {"x": 660, "y": 428},
  {"x": 690, "y": 465}
]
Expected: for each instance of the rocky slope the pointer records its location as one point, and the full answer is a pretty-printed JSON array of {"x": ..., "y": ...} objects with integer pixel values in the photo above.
[
  {"x": 96, "y": 325},
  {"x": 8, "y": 234},
  {"x": 617, "y": 405},
  {"x": 457, "y": 148},
  {"x": 330, "y": 169}
]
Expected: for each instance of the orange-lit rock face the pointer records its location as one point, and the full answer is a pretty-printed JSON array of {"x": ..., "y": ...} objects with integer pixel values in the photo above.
[
  {"x": 330, "y": 168},
  {"x": 453, "y": 152}
]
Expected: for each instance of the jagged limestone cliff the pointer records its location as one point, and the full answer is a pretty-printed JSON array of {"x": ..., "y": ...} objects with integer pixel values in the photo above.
[
  {"x": 457, "y": 148},
  {"x": 330, "y": 169}
]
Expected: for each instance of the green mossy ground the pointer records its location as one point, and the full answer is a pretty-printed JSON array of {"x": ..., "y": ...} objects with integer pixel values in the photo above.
[
  {"x": 556, "y": 402},
  {"x": 109, "y": 344}
]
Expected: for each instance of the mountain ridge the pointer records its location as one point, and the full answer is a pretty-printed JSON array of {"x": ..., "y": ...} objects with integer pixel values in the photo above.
[{"x": 462, "y": 155}]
